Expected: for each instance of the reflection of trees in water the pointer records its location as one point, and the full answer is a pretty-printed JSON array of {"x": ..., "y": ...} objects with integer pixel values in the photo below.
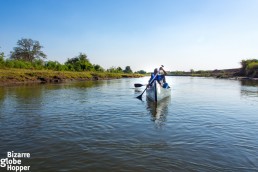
[
  {"x": 86, "y": 84},
  {"x": 158, "y": 110},
  {"x": 20, "y": 95},
  {"x": 2, "y": 96},
  {"x": 251, "y": 93},
  {"x": 249, "y": 83},
  {"x": 20, "y": 109},
  {"x": 249, "y": 88},
  {"x": 71, "y": 85}
]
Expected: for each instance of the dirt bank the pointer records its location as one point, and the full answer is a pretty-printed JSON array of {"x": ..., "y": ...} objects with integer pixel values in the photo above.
[{"x": 22, "y": 76}]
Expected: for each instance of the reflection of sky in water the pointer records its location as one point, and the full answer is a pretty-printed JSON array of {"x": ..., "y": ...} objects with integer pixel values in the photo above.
[{"x": 206, "y": 125}]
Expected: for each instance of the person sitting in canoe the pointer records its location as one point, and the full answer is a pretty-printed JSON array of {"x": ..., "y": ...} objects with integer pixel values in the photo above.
[{"x": 160, "y": 78}]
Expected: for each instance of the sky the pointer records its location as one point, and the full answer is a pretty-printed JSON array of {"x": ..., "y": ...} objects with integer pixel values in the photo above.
[{"x": 142, "y": 34}]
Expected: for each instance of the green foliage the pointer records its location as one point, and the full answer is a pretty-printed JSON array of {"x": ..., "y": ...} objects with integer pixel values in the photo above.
[
  {"x": 2, "y": 61},
  {"x": 115, "y": 70},
  {"x": 28, "y": 55},
  {"x": 98, "y": 68},
  {"x": 252, "y": 66},
  {"x": 1, "y": 56},
  {"x": 55, "y": 65},
  {"x": 119, "y": 70},
  {"x": 128, "y": 69},
  {"x": 249, "y": 67},
  {"x": 38, "y": 64},
  {"x": 179, "y": 72},
  {"x": 18, "y": 64},
  {"x": 80, "y": 63},
  {"x": 141, "y": 72},
  {"x": 51, "y": 65},
  {"x": 27, "y": 50}
]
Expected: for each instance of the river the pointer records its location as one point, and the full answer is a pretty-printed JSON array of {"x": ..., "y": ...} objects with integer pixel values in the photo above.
[{"x": 206, "y": 125}]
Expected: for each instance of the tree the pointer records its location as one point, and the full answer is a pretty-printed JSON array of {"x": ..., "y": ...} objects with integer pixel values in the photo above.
[
  {"x": 141, "y": 72},
  {"x": 1, "y": 56},
  {"x": 119, "y": 70},
  {"x": 2, "y": 59},
  {"x": 98, "y": 68},
  {"x": 79, "y": 63},
  {"x": 27, "y": 50},
  {"x": 249, "y": 67},
  {"x": 128, "y": 69}
]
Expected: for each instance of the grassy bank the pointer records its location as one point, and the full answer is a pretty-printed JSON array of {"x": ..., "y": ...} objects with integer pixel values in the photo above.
[
  {"x": 17, "y": 76},
  {"x": 225, "y": 73}
]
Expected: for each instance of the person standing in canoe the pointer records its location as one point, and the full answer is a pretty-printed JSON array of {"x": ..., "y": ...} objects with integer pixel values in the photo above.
[{"x": 160, "y": 77}]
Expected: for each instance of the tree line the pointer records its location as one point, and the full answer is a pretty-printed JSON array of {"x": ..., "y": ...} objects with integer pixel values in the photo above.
[
  {"x": 29, "y": 55},
  {"x": 249, "y": 67}
]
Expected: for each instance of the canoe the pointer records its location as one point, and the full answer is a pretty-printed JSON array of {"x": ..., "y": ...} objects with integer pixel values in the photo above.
[{"x": 156, "y": 92}]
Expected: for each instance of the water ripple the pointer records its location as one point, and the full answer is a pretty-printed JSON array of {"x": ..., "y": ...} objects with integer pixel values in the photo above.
[{"x": 206, "y": 125}]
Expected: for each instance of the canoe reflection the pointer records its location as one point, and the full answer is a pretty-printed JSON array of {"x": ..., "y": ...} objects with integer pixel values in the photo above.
[{"x": 158, "y": 110}]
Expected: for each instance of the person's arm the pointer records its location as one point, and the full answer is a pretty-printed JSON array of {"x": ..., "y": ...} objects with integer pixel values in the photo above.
[
  {"x": 150, "y": 80},
  {"x": 161, "y": 68}
]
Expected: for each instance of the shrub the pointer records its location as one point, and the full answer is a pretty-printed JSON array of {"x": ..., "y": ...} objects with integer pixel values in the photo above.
[{"x": 252, "y": 66}]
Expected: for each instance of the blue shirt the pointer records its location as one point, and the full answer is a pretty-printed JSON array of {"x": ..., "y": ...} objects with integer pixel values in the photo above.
[{"x": 158, "y": 77}]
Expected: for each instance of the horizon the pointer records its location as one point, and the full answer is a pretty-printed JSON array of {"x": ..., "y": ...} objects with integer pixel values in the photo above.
[{"x": 181, "y": 35}]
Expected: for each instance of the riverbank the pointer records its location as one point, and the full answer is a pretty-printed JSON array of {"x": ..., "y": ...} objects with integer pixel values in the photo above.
[
  {"x": 225, "y": 73},
  {"x": 21, "y": 76}
]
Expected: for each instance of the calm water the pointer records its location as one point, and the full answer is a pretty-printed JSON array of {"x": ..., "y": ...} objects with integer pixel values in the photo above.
[{"x": 206, "y": 125}]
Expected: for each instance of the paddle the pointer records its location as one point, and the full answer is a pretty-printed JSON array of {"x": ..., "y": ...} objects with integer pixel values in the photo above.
[
  {"x": 140, "y": 96},
  {"x": 138, "y": 85}
]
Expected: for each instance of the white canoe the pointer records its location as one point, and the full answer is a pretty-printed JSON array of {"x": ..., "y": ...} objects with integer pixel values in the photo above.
[{"x": 156, "y": 92}]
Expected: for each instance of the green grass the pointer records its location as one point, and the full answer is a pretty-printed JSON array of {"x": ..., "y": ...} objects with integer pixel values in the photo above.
[{"x": 26, "y": 75}]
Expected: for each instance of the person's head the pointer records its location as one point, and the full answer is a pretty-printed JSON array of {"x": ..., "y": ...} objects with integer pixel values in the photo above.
[{"x": 155, "y": 71}]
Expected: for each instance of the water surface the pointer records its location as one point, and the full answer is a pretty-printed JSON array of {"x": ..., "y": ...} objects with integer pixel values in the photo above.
[{"x": 206, "y": 125}]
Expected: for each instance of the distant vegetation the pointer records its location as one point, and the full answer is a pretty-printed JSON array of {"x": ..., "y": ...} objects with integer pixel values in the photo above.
[
  {"x": 29, "y": 55},
  {"x": 27, "y": 50},
  {"x": 141, "y": 72},
  {"x": 249, "y": 68},
  {"x": 27, "y": 63}
]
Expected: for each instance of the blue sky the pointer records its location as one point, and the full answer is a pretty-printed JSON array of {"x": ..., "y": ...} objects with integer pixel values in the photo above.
[{"x": 143, "y": 34}]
